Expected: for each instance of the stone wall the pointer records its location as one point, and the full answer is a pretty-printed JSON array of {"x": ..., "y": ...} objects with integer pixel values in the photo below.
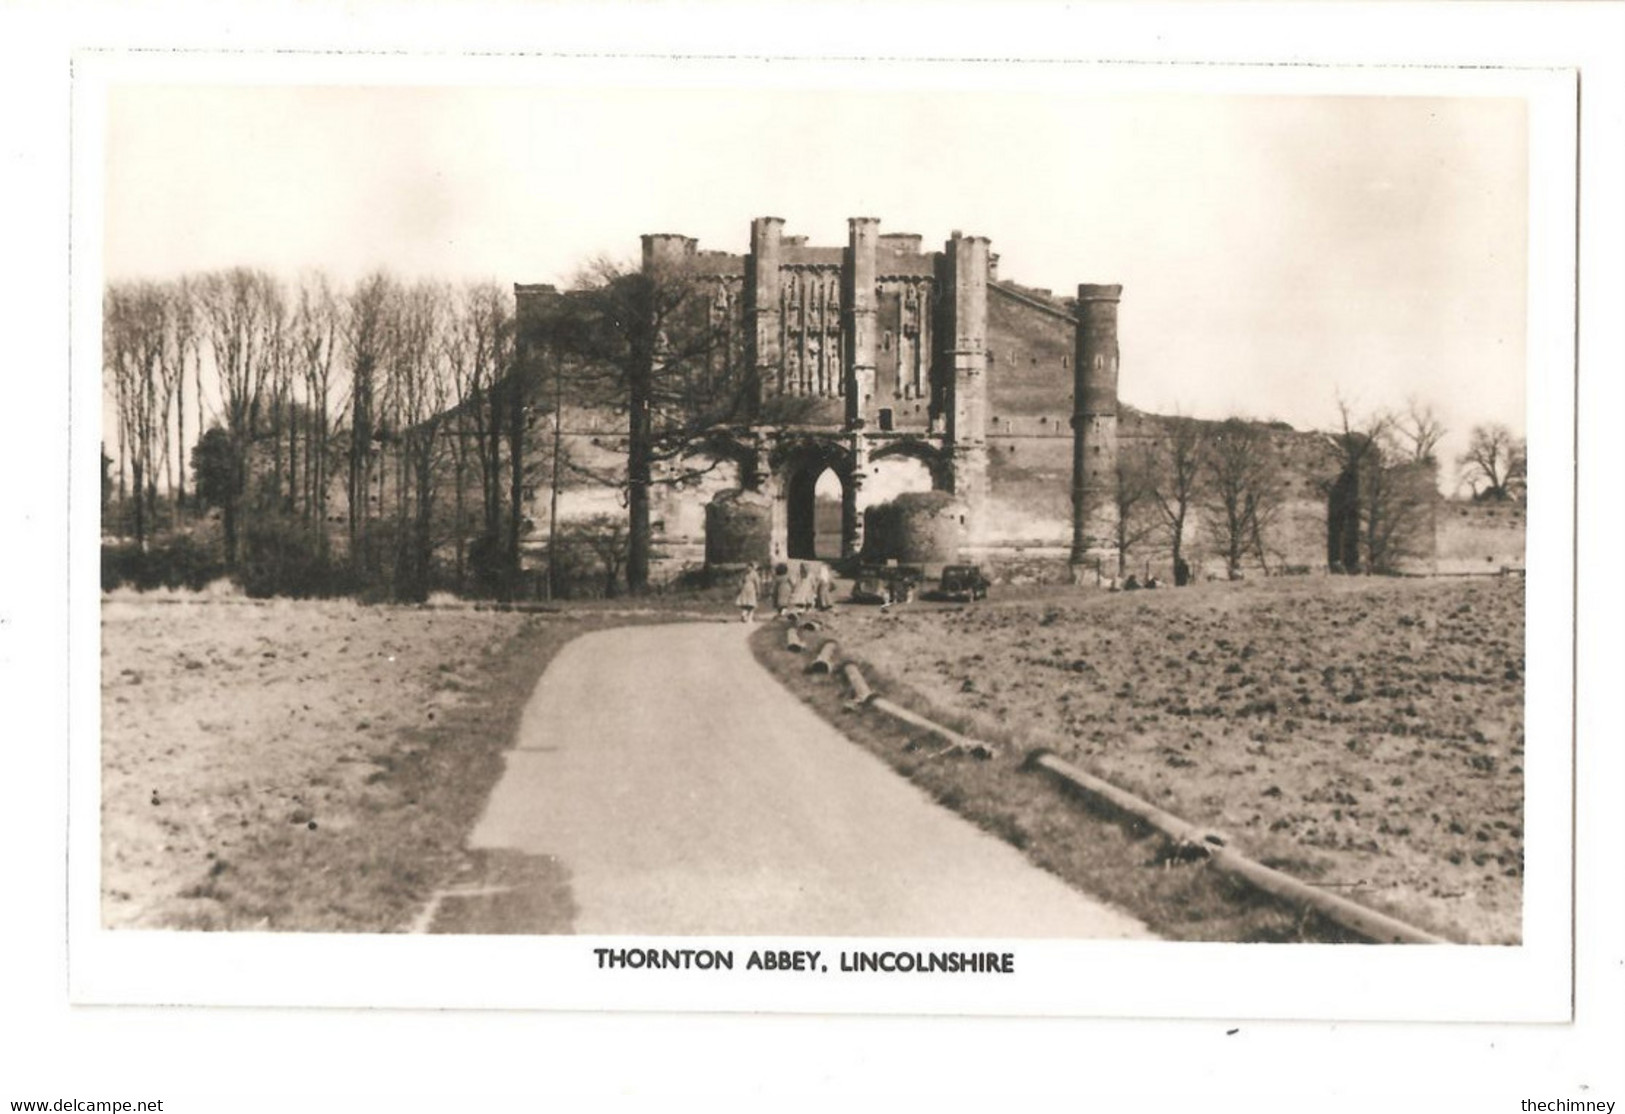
[
  {"x": 992, "y": 388},
  {"x": 1480, "y": 537}
]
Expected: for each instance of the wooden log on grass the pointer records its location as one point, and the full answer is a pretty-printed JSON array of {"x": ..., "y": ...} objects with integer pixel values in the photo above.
[
  {"x": 861, "y": 692},
  {"x": 1367, "y": 922}
]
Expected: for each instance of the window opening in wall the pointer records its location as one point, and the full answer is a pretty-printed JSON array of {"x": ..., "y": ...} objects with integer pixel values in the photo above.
[{"x": 885, "y": 420}]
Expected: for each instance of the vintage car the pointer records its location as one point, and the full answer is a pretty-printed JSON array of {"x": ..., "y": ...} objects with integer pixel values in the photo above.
[
  {"x": 962, "y": 582},
  {"x": 886, "y": 583}
]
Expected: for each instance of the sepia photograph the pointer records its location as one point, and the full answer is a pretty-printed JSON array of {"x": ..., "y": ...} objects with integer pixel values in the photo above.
[
  {"x": 950, "y": 556},
  {"x": 899, "y": 515}
]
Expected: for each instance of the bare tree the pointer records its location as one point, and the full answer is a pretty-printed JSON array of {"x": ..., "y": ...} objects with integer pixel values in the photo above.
[
  {"x": 642, "y": 343},
  {"x": 135, "y": 323},
  {"x": 1242, "y": 491},
  {"x": 316, "y": 341},
  {"x": 241, "y": 311},
  {"x": 418, "y": 394},
  {"x": 592, "y": 548},
  {"x": 1176, "y": 479},
  {"x": 1495, "y": 465},
  {"x": 480, "y": 348},
  {"x": 184, "y": 326},
  {"x": 1379, "y": 504},
  {"x": 276, "y": 353},
  {"x": 366, "y": 340},
  {"x": 1134, "y": 496},
  {"x": 1421, "y": 431}
]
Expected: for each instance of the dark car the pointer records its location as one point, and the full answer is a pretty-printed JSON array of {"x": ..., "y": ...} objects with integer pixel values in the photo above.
[
  {"x": 869, "y": 586},
  {"x": 962, "y": 582},
  {"x": 886, "y": 583}
]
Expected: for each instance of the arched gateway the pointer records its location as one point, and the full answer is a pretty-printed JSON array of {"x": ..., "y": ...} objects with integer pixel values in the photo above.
[
  {"x": 867, "y": 370},
  {"x": 815, "y": 487}
]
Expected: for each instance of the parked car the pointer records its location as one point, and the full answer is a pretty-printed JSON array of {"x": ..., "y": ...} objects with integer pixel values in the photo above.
[
  {"x": 886, "y": 583},
  {"x": 869, "y": 586},
  {"x": 962, "y": 582}
]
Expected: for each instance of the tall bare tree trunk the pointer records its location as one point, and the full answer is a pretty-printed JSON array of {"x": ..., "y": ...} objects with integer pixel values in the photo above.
[
  {"x": 516, "y": 473},
  {"x": 180, "y": 436}
]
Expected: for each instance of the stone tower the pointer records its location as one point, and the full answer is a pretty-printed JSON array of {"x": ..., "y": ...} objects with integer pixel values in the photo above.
[
  {"x": 1094, "y": 423},
  {"x": 762, "y": 302},
  {"x": 863, "y": 238},
  {"x": 967, "y": 266},
  {"x": 665, "y": 251}
]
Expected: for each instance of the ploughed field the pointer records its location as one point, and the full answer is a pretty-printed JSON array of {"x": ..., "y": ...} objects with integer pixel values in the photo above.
[
  {"x": 297, "y": 765},
  {"x": 1366, "y": 735}
]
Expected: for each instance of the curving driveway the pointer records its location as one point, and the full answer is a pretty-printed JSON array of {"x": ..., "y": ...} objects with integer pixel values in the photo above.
[{"x": 678, "y": 789}]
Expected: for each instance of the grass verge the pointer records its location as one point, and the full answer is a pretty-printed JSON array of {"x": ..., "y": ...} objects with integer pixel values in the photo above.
[
  {"x": 1111, "y": 857},
  {"x": 405, "y": 818}
]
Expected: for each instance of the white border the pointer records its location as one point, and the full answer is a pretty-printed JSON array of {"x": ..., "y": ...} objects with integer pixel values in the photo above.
[
  {"x": 345, "y": 1060},
  {"x": 1529, "y": 982}
]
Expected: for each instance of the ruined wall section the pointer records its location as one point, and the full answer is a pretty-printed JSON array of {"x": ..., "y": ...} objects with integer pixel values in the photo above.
[
  {"x": 1306, "y": 466},
  {"x": 1480, "y": 538},
  {"x": 1029, "y": 436},
  {"x": 810, "y": 322}
]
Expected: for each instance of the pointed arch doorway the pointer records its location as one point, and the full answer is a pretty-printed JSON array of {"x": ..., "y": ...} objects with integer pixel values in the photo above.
[{"x": 815, "y": 502}]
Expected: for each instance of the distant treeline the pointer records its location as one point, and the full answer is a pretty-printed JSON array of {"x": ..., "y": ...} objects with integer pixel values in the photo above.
[
  {"x": 386, "y": 439},
  {"x": 311, "y": 439}
]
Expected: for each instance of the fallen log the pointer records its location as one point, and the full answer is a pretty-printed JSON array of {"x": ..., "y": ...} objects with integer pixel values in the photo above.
[
  {"x": 1369, "y": 923},
  {"x": 861, "y": 692},
  {"x": 954, "y": 740}
]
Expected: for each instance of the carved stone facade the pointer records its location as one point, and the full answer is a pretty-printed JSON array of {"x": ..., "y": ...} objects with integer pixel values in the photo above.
[
  {"x": 879, "y": 368},
  {"x": 884, "y": 348}
]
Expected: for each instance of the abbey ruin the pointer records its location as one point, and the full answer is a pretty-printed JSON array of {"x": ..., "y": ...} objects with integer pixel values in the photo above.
[{"x": 947, "y": 412}]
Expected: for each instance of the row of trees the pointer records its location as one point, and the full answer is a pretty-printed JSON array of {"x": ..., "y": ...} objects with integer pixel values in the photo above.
[
  {"x": 420, "y": 406},
  {"x": 431, "y": 410},
  {"x": 388, "y": 396},
  {"x": 1379, "y": 483}
]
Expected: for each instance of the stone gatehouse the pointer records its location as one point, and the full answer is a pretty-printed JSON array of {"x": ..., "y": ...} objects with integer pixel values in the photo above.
[
  {"x": 982, "y": 416},
  {"x": 915, "y": 371}
]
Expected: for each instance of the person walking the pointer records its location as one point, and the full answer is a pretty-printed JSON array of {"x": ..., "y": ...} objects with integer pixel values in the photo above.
[
  {"x": 782, "y": 589},
  {"x": 801, "y": 599},
  {"x": 824, "y": 592},
  {"x": 746, "y": 599}
]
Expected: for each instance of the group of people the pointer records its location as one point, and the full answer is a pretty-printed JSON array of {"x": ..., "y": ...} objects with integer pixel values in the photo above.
[{"x": 784, "y": 594}]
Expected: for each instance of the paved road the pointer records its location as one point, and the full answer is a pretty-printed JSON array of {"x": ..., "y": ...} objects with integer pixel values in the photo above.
[{"x": 682, "y": 791}]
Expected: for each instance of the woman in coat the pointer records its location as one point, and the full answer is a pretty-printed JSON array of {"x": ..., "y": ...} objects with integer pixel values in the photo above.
[
  {"x": 783, "y": 589},
  {"x": 824, "y": 592},
  {"x": 746, "y": 599},
  {"x": 802, "y": 598}
]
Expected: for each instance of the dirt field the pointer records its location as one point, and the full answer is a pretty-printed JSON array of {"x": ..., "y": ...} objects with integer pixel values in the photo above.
[
  {"x": 1365, "y": 735},
  {"x": 271, "y": 766}
]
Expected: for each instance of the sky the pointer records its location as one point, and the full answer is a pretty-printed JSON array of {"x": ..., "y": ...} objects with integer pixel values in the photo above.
[{"x": 1277, "y": 253}]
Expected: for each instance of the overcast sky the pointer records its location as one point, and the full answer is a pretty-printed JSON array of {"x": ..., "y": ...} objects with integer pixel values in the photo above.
[{"x": 1274, "y": 251}]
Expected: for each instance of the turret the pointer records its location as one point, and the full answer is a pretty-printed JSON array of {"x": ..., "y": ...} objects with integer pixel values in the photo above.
[
  {"x": 762, "y": 305},
  {"x": 666, "y": 251},
  {"x": 863, "y": 238},
  {"x": 966, "y": 265},
  {"x": 1094, "y": 420}
]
